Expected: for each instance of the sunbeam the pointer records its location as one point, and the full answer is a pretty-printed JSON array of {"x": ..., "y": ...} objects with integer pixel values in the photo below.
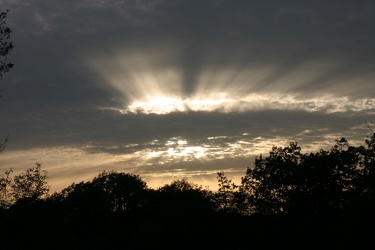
[{"x": 148, "y": 82}]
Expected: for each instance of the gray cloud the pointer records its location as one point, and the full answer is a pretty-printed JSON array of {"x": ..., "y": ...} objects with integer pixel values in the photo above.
[{"x": 107, "y": 128}]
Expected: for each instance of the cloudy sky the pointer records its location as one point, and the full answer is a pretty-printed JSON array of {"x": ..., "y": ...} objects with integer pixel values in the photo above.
[{"x": 169, "y": 88}]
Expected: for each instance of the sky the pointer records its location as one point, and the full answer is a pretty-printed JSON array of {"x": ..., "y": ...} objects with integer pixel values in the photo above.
[{"x": 171, "y": 89}]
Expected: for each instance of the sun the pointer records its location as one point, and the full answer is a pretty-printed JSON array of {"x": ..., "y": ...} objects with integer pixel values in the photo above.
[
  {"x": 165, "y": 105},
  {"x": 158, "y": 105}
]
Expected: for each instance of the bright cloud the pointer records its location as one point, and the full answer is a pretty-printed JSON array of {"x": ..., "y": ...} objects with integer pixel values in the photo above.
[{"x": 252, "y": 102}]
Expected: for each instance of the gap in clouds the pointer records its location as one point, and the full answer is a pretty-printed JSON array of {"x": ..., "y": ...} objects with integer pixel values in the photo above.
[{"x": 153, "y": 81}]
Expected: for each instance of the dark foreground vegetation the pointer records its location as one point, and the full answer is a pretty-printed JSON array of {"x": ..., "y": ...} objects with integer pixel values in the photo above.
[{"x": 287, "y": 199}]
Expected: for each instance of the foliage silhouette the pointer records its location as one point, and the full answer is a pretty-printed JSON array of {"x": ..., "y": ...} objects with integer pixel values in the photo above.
[
  {"x": 31, "y": 184},
  {"x": 5, "y": 44},
  {"x": 228, "y": 198},
  {"x": 287, "y": 199},
  {"x": 290, "y": 182},
  {"x": 6, "y": 198},
  {"x": 25, "y": 188},
  {"x": 184, "y": 199},
  {"x": 109, "y": 191},
  {"x": 5, "y": 47}
]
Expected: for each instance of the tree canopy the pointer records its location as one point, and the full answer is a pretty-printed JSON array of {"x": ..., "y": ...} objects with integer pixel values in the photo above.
[{"x": 6, "y": 45}]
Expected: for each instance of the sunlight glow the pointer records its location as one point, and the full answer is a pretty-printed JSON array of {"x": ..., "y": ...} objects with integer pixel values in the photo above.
[
  {"x": 177, "y": 148},
  {"x": 251, "y": 102},
  {"x": 165, "y": 105},
  {"x": 150, "y": 82}
]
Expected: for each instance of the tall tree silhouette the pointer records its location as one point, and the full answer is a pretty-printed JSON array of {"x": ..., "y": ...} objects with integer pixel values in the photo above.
[
  {"x": 183, "y": 199},
  {"x": 6, "y": 198},
  {"x": 5, "y": 47},
  {"x": 109, "y": 191},
  {"x": 267, "y": 184},
  {"x": 5, "y": 44},
  {"x": 30, "y": 185},
  {"x": 288, "y": 181},
  {"x": 228, "y": 198},
  {"x": 126, "y": 192},
  {"x": 366, "y": 181}
]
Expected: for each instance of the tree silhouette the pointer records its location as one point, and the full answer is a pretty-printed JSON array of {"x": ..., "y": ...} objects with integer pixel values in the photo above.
[
  {"x": 30, "y": 186},
  {"x": 6, "y": 198},
  {"x": 126, "y": 192},
  {"x": 184, "y": 199},
  {"x": 5, "y": 44},
  {"x": 109, "y": 191},
  {"x": 229, "y": 199},
  {"x": 290, "y": 182},
  {"x": 325, "y": 179},
  {"x": 365, "y": 184},
  {"x": 83, "y": 198},
  {"x": 268, "y": 184},
  {"x": 5, "y": 47}
]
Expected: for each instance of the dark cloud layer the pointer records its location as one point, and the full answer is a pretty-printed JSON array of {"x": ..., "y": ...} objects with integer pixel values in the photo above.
[{"x": 74, "y": 127}]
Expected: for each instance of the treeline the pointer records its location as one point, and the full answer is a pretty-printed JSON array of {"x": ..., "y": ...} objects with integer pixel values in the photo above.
[{"x": 287, "y": 198}]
